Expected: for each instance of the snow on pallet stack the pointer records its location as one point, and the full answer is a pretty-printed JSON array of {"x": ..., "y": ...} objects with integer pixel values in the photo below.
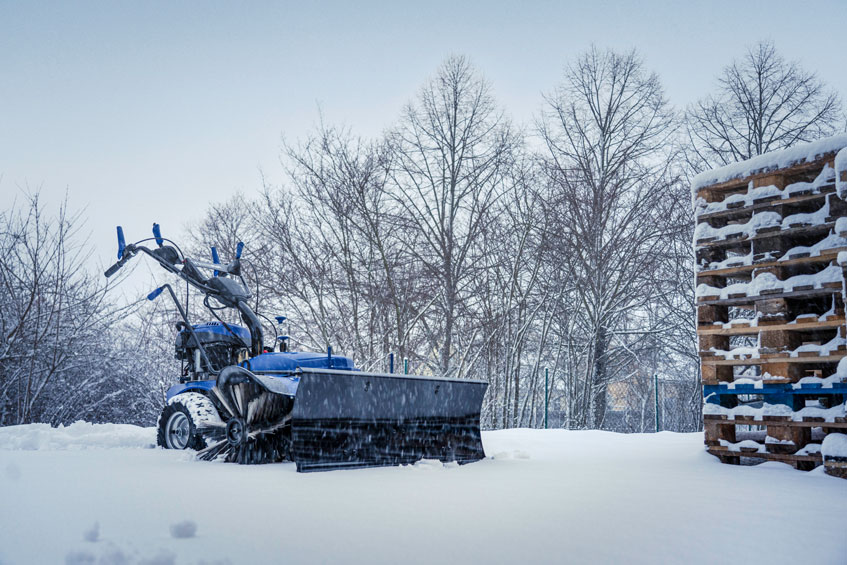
[{"x": 771, "y": 247}]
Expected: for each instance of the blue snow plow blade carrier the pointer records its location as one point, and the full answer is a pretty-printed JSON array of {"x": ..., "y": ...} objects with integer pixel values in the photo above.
[{"x": 241, "y": 401}]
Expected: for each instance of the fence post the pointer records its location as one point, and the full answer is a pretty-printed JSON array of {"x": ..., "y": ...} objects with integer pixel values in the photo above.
[
  {"x": 656, "y": 392},
  {"x": 391, "y": 363},
  {"x": 546, "y": 395}
]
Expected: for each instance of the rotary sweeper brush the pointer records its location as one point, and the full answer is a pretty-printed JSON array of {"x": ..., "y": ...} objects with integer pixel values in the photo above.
[{"x": 238, "y": 400}]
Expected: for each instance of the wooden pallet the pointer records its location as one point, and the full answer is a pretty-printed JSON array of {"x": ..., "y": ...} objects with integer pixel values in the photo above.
[
  {"x": 799, "y": 434},
  {"x": 785, "y": 318},
  {"x": 801, "y": 325},
  {"x": 806, "y": 171},
  {"x": 800, "y": 462},
  {"x": 768, "y": 205},
  {"x": 746, "y": 271},
  {"x": 792, "y": 236},
  {"x": 836, "y": 466}
]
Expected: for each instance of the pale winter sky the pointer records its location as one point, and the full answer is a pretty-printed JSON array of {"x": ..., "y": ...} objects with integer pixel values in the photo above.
[{"x": 148, "y": 111}]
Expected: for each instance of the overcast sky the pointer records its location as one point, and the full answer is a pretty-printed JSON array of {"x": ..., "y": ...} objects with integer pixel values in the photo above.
[{"x": 148, "y": 111}]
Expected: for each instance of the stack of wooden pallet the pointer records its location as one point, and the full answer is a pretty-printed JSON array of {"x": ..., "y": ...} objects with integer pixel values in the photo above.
[{"x": 770, "y": 303}]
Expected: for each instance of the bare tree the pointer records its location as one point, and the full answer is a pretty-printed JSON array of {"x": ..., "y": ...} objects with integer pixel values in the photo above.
[
  {"x": 606, "y": 131},
  {"x": 331, "y": 254},
  {"x": 55, "y": 339},
  {"x": 513, "y": 307},
  {"x": 762, "y": 103},
  {"x": 673, "y": 283},
  {"x": 451, "y": 154}
]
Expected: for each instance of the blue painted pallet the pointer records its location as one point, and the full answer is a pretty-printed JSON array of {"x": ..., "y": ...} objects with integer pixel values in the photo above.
[
  {"x": 785, "y": 394},
  {"x": 781, "y": 388}
]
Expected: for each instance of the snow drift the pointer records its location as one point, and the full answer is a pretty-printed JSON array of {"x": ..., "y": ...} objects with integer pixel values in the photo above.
[{"x": 94, "y": 494}]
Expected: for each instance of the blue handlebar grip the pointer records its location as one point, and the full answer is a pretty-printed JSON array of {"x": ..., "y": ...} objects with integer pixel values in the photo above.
[
  {"x": 239, "y": 249},
  {"x": 121, "y": 242},
  {"x": 215, "y": 259},
  {"x": 157, "y": 233},
  {"x": 155, "y": 293}
]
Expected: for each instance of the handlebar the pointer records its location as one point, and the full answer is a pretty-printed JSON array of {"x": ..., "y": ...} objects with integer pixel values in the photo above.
[
  {"x": 220, "y": 285},
  {"x": 127, "y": 255},
  {"x": 173, "y": 261},
  {"x": 168, "y": 259},
  {"x": 114, "y": 268}
]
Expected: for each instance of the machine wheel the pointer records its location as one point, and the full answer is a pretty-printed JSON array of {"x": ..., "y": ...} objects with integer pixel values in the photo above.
[{"x": 183, "y": 419}]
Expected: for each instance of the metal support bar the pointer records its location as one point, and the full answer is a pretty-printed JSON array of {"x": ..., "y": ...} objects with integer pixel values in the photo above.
[
  {"x": 546, "y": 394},
  {"x": 656, "y": 391}
]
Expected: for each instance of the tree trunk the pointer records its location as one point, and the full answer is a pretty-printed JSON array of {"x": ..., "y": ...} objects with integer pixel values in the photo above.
[{"x": 598, "y": 390}]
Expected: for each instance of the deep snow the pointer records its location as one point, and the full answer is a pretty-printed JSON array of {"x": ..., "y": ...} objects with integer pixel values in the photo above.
[{"x": 541, "y": 497}]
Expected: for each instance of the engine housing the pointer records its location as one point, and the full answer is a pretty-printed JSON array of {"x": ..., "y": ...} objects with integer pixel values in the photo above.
[{"x": 224, "y": 345}]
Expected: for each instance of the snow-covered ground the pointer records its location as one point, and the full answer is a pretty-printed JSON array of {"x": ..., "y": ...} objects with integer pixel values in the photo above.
[{"x": 98, "y": 494}]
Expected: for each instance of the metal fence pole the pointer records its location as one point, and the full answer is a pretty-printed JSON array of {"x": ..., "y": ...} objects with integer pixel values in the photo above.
[
  {"x": 546, "y": 394},
  {"x": 656, "y": 391}
]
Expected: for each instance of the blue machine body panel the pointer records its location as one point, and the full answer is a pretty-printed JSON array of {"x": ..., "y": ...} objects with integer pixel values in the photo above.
[
  {"x": 293, "y": 360},
  {"x": 191, "y": 386},
  {"x": 281, "y": 365},
  {"x": 219, "y": 328}
]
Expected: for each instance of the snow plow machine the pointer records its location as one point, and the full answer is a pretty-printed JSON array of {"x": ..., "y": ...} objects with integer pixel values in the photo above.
[{"x": 241, "y": 401}]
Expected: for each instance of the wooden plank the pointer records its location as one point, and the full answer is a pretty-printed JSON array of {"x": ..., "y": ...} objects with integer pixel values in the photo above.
[
  {"x": 801, "y": 326},
  {"x": 802, "y": 230},
  {"x": 773, "y": 358},
  {"x": 816, "y": 457},
  {"x": 836, "y": 468},
  {"x": 748, "y": 421},
  {"x": 799, "y": 435},
  {"x": 741, "y": 182},
  {"x": 764, "y": 205},
  {"x": 714, "y": 374},
  {"x": 712, "y": 314},
  {"x": 751, "y": 300},
  {"x": 716, "y": 430},
  {"x": 825, "y": 257}
]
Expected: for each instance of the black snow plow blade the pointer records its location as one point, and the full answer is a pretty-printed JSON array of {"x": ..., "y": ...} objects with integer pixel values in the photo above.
[{"x": 348, "y": 419}]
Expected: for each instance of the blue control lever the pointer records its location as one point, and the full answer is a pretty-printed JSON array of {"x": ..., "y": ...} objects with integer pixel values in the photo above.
[
  {"x": 215, "y": 259},
  {"x": 121, "y": 242},
  {"x": 157, "y": 233}
]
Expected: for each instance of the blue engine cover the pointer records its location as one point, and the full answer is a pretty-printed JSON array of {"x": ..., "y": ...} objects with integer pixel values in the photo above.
[
  {"x": 293, "y": 360},
  {"x": 277, "y": 364},
  {"x": 217, "y": 328}
]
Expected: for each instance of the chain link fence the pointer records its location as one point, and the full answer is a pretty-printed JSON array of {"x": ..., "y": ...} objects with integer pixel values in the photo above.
[{"x": 647, "y": 403}]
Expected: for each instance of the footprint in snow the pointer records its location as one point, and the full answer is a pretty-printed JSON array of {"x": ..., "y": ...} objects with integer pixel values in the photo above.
[
  {"x": 92, "y": 534},
  {"x": 184, "y": 529}
]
